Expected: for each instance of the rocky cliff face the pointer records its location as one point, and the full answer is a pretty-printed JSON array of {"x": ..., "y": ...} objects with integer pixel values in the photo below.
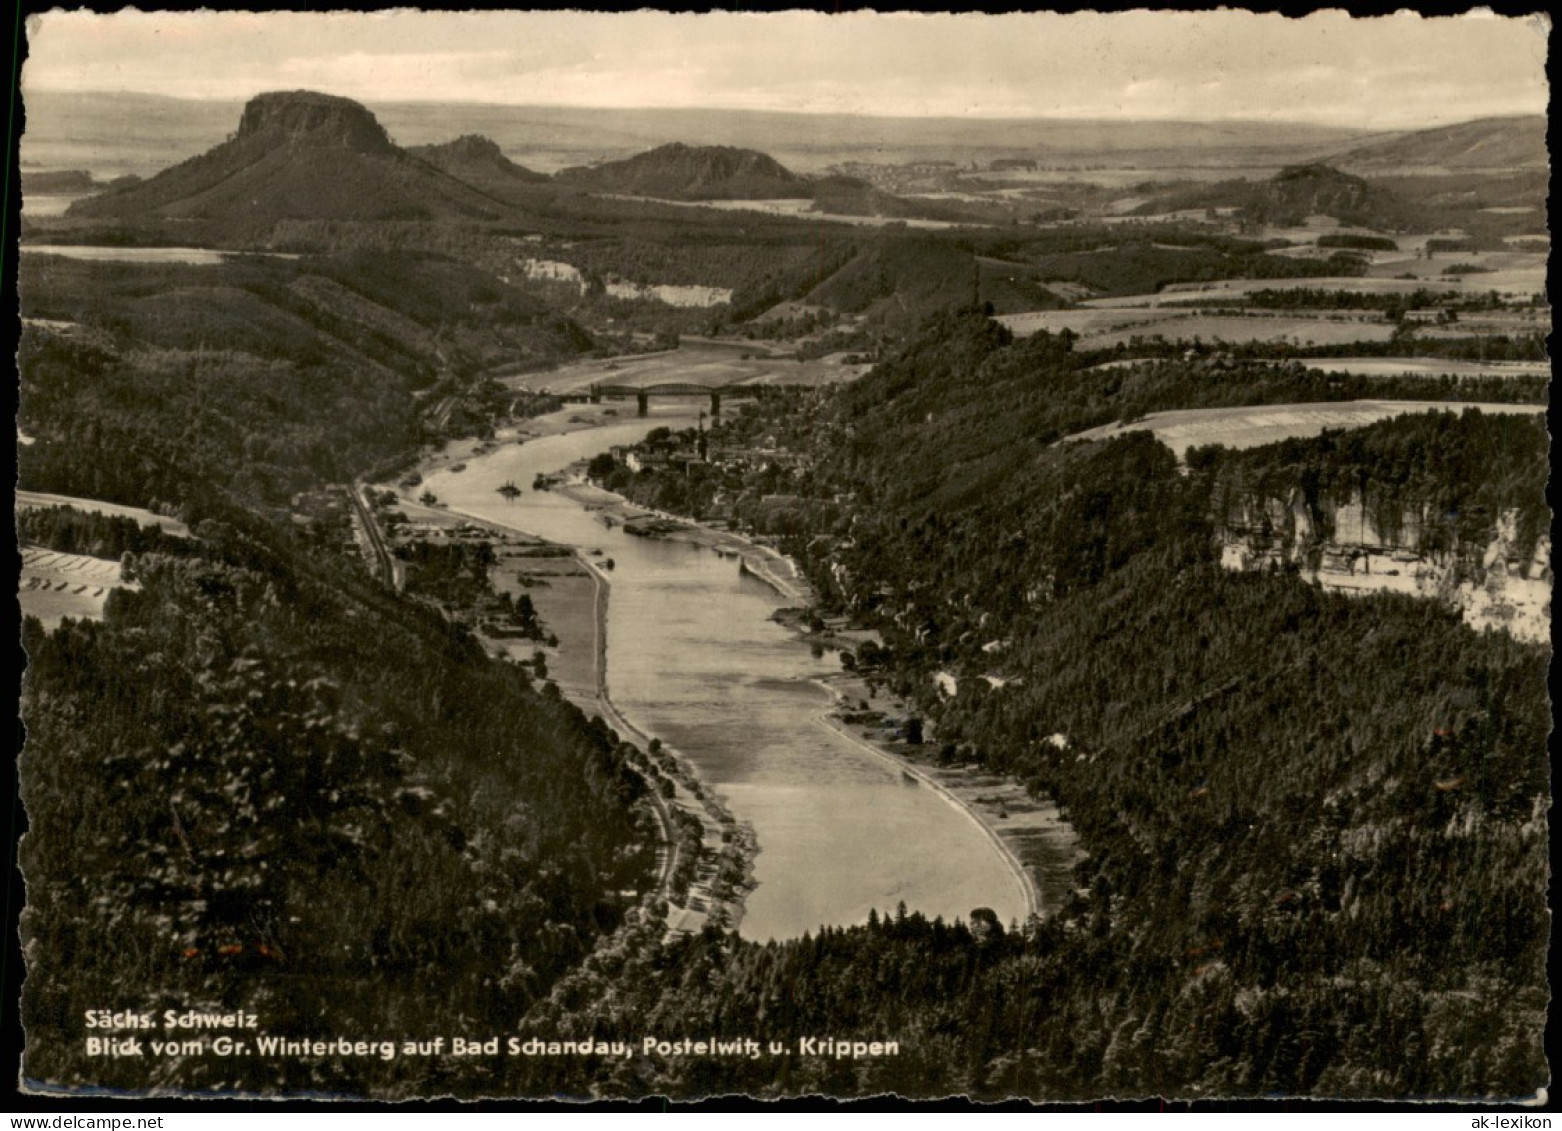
[
  {"x": 303, "y": 117},
  {"x": 1502, "y": 583}
]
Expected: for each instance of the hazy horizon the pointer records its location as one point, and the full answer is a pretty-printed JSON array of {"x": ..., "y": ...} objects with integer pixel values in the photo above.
[
  {"x": 1328, "y": 70},
  {"x": 241, "y": 99}
]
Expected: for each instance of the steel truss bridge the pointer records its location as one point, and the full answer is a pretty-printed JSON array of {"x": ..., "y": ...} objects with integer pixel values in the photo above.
[{"x": 644, "y": 393}]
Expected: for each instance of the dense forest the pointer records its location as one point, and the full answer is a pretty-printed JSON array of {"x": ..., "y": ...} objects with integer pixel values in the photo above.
[
  {"x": 87, "y": 406},
  {"x": 74, "y": 531},
  {"x": 281, "y": 790},
  {"x": 1316, "y": 823},
  {"x": 262, "y": 377}
]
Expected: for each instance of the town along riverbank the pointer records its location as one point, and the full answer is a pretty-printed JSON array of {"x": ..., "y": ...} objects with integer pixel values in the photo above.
[{"x": 763, "y": 562}]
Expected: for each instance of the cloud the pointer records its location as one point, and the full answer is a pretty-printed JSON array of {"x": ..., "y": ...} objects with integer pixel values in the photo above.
[
  {"x": 1389, "y": 71},
  {"x": 364, "y": 74}
]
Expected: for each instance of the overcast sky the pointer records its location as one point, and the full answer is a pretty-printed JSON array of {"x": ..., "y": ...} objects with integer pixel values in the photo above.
[{"x": 1386, "y": 72}]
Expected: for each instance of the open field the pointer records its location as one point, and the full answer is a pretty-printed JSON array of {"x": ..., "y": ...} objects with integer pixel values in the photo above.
[
  {"x": 37, "y": 204},
  {"x": 1426, "y": 367},
  {"x": 1099, "y": 327},
  {"x": 1084, "y": 322},
  {"x": 1515, "y": 280},
  {"x": 565, "y": 595},
  {"x": 798, "y": 210},
  {"x": 1519, "y": 273},
  {"x": 701, "y": 361},
  {"x": 1128, "y": 174},
  {"x": 1412, "y": 259},
  {"x": 1278, "y": 328},
  {"x": 193, "y": 256},
  {"x": 54, "y": 586},
  {"x": 34, "y": 500},
  {"x": 1523, "y": 320},
  {"x": 1388, "y": 366},
  {"x": 1268, "y": 424}
]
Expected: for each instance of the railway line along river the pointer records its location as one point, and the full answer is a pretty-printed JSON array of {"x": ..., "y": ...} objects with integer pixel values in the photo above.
[{"x": 694, "y": 659}]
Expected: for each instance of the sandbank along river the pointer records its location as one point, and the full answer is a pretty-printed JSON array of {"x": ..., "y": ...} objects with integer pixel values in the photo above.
[{"x": 694, "y": 659}]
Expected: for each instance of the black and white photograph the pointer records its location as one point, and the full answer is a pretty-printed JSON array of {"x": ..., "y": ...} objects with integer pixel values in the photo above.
[{"x": 590, "y": 556}]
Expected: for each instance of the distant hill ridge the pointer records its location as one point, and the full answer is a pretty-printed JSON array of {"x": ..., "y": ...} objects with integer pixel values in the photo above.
[
  {"x": 297, "y": 155},
  {"x": 59, "y": 180},
  {"x": 308, "y": 156},
  {"x": 474, "y": 153},
  {"x": 1487, "y": 143},
  {"x": 1317, "y": 188},
  {"x": 1291, "y": 195},
  {"x": 693, "y": 172}
]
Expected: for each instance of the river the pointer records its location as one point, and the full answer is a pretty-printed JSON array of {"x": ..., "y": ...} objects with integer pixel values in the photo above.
[{"x": 693, "y": 658}]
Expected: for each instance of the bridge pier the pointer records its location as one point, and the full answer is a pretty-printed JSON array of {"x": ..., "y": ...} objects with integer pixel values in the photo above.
[{"x": 643, "y": 393}]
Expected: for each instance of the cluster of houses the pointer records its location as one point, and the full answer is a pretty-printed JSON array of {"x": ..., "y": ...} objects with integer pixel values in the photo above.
[{"x": 325, "y": 516}]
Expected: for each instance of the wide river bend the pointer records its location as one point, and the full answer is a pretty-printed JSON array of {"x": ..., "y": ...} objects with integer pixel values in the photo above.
[{"x": 694, "y": 659}]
